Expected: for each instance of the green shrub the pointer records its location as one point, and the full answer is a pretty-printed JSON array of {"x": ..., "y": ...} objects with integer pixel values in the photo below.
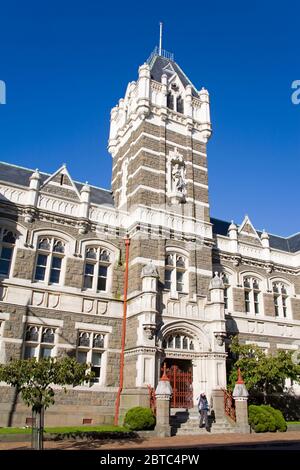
[
  {"x": 261, "y": 420},
  {"x": 139, "y": 418},
  {"x": 278, "y": 416}
]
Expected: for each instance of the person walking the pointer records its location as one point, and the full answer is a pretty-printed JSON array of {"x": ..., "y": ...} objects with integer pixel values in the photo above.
[{"x": 203, "y": 409}]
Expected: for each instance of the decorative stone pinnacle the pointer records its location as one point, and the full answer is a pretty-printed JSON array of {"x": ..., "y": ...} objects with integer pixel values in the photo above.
[
  {"x": 164, "y": 376},
  {"x": 240, "y": 378},
  {"x": 149, "y": 270},
  {"x": 216, "y": 282}
]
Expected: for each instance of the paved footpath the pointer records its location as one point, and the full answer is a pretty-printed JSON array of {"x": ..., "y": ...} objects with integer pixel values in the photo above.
[{"x": 288, "y": 441}]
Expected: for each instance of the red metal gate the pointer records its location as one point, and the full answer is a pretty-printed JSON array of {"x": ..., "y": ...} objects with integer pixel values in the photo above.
[{"x": 182, "y": 385}]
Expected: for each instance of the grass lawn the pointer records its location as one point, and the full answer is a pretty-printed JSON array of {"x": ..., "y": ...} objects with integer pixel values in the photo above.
[
  {"x": 66, "y": 429},
  {"x": 292, "y": 422}
]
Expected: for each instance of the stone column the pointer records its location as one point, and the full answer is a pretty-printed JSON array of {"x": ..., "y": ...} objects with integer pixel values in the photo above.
[
  {"x": 218, "y": 404},
  {"x": 163, "y": 394},
  {"x": 240, "y": 395}
]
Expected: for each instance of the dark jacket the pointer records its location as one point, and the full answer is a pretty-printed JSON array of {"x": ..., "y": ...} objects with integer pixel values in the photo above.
[{"x": 203, "y": 403}]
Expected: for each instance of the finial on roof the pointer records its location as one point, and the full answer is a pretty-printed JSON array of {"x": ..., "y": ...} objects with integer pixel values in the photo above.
[
  {"x": 264, "y": 235},
  {"x": 232, "y": 226},
  {"x": 35, "y": 175}
]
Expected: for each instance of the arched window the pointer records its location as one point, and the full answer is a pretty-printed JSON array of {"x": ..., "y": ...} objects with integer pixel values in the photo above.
[
  {"x": 175, "y": 100},
  {"x": 7, "y": 243},
  {"x": 90, "y": 349},
  {"x": 251, "y": 295},
  {"x": 170, "y": 101},
  {"x": 179, "y": 341},
  {"x": 39, "y": 342},
  {"x": 179, "y": 104},
  {"x": 226, "y": 282},
  {"x": 176, "y": 273},
  {"x": 50, "y": 255},
  {"x": 280, "y": 296},
  {"x": 97, "y": 263}
]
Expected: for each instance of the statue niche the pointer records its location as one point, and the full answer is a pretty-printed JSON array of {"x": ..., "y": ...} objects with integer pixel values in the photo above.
[{"x": 176, "y": 179}]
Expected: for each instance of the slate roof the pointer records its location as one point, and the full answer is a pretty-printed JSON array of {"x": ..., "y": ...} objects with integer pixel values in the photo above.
[
  {"x": 290, "y": 244},
  {"x": 157, "y": 65},
  {"x": 18, "y": 175}
]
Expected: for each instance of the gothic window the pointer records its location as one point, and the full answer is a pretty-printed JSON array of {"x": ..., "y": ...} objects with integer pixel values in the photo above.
[
  {"x": 280, "y": 296},
  {"x": 251, "y": 295},
  {"x": 175, "y": 100},
  {"x": 50, "y": 255},
  {"x": 179, "y": 341},
  {"x": 179, "y": 105},
  {"x": 226, "y": 282},
  {"x": 39, "y": 342},
  {"x": 175, "y": 273},
  {"x": 90, "y": 349},
  {"x": 170, "y": 101},
  {"x": 7, "y": 243},
  {"x": 96, "y": 269}
]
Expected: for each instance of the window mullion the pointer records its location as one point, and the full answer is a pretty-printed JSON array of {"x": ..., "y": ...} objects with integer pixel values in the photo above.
[
  {"x": 48, "y": 267},
  {"x": 96, "y": 273}
]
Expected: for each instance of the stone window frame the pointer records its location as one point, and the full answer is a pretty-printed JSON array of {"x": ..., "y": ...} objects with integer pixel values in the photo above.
[
  {"x": 175, "y": 96},
  {"x": 114, "y": 256},
  {"x": 252, "y": 294},
  {"x": 7, "y": 245},
  {"x": 21, "y": 233},
  {"x": 70, "y": 249},
  {"x": 176, "y": 254},
  {"x": 97, "y": 264},
  {"x": 227, "y": 275},
  {"x": 51, "y": 254},
  {"x": 89, "y": 350},
  {"x": 280, "y": 296},
  {"x": 39, "y": 345}
]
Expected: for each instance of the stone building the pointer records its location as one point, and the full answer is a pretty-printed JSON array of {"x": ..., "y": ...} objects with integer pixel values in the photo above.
[{"x": 193, "y": 280}]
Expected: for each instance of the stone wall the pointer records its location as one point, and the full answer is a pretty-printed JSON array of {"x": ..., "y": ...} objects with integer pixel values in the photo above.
[
  {"x": 24, "y": 264},
  {"x": 269, "y": 307}
]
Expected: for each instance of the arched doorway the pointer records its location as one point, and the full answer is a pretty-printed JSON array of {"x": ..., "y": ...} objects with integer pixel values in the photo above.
[{"x": 179, "y": 368}]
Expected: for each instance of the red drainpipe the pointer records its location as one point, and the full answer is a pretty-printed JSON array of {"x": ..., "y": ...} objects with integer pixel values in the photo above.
[{"x": 127, "y": 243}]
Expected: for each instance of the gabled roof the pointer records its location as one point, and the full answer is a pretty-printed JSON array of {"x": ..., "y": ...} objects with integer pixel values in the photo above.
[
  {"x": 160, "y": 65},
  {"x": 290, "y": 244},
  {"x": 20, "y": 176}
]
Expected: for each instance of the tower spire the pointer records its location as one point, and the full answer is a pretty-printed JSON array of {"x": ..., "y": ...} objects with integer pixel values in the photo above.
[{"x": 160, "y": 38}]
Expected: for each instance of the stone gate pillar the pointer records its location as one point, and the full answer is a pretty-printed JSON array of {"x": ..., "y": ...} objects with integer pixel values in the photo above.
[
  {"x": 240, "y": 395},
  {"x": 163, "y": 394}
]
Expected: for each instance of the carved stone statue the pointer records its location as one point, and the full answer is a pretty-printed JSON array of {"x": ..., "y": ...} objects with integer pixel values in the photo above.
[{"x": 178, "y": 178}]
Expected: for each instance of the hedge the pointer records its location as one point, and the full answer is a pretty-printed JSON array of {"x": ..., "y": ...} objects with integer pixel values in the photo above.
[
  {"x": 139, "y": 418},
  {"x": 264, "y": 418}
]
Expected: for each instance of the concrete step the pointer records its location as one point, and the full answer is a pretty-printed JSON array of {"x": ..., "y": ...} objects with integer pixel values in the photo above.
[{"x": 187, "y": 423}]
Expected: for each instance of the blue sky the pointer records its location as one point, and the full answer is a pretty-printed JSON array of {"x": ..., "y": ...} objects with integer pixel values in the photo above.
[{"x": 66, "y": 63}]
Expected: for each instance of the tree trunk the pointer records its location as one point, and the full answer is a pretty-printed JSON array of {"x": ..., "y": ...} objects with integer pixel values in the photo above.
[
  {"x": 37, "y": 428},
  {"x": 265, "y": 393}
]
